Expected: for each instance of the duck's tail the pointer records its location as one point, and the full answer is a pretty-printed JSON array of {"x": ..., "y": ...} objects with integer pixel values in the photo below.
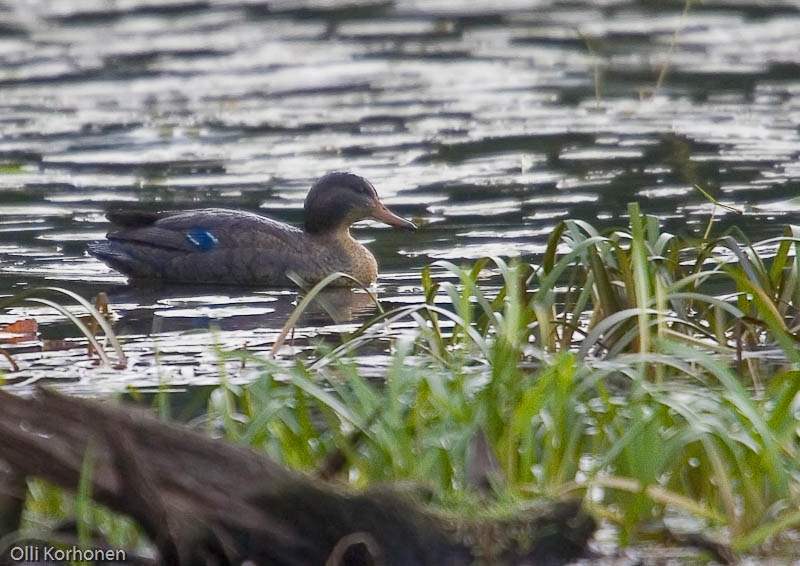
[{"x": 117, "y": 257}]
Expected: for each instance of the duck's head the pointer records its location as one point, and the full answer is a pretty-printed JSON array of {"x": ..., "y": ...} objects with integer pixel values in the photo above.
[{"x": 338, "y": 199}]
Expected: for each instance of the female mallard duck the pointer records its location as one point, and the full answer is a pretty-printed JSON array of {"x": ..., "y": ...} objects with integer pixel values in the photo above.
[{"x": 230, "y": 247}]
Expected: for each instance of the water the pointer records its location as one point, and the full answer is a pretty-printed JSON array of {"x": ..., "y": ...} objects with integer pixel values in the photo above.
[{"x": 487, "y": 122}]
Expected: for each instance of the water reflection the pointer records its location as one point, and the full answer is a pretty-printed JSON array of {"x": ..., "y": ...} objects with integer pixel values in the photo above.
[
  {"x": 171, "y": 335},
  {"x": 488, "y": 122}
]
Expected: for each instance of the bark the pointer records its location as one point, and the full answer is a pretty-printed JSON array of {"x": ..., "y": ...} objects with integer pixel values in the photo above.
[{"x": 204, "y": 501}]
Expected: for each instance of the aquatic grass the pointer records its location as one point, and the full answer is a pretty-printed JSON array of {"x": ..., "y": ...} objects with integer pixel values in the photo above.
[
  {"x": 665, "y": 67},
  {"x": 644, "y": 92},
  {"x": 10, "y": 168},
  {"x": 626, "y": 366},
  {"x": 83, "y": 503},
  {"x": 709, "y": 451},
  {"x": 47, "y": 508},
  {"x": 715, "y": 204},
  {"x": 298, "y": 418},
  {"x": 310, "y": 296},
  {"x": 96, "y": 318},
  {"x": 712, "y": 442},
  {"x": 427, "y": 319}
]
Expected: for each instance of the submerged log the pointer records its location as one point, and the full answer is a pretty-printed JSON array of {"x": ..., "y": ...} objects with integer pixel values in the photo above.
[{"x": 206, "y": 501}]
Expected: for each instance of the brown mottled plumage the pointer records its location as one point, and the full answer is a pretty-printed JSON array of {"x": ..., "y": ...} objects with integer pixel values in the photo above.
[{"x": 230, "y": 247}]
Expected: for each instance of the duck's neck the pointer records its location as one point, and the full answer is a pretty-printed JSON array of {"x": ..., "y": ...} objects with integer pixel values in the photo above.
[{"x": 357, "y": 260}]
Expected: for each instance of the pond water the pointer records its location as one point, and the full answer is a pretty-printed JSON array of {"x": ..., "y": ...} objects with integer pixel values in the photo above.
[{"x": 486, "y": 122}]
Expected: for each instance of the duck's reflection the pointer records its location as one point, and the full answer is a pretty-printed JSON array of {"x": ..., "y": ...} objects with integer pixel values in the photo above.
[{"x": 149, "y": 310}]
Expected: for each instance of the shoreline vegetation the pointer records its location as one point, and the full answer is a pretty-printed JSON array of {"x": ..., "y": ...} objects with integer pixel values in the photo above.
[
  {"x": 653, "y": 377},
  {"x": 205, "y": 501}
]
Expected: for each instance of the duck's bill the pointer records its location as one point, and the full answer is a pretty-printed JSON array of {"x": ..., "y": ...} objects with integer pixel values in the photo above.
[{"x": 380, "y": 212}]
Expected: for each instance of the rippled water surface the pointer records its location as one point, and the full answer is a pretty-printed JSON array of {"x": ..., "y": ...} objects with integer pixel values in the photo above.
[{"x": 487, "y": 122}]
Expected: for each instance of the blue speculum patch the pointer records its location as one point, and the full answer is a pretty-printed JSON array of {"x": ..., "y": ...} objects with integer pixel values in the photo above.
[{"x": 202, "y": 239}]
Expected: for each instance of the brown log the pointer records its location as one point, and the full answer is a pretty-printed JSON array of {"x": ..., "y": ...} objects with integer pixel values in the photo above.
[{"x": 206, "y": 501}]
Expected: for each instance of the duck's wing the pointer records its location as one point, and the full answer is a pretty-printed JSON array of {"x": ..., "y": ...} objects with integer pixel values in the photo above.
[
  {"x": 201, "y": 246},
  {"x": 202, "y": 230}
]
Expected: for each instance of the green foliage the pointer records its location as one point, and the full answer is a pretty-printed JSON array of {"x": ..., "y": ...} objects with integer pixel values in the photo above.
[
  {"x": 650, "y": 373},
  {"x": 10, "y": 168},
  {"x": 47, "y": 506}
]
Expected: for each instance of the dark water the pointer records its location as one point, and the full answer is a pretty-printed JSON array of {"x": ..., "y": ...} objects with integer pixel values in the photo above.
[{"x": 488, "y": 122}]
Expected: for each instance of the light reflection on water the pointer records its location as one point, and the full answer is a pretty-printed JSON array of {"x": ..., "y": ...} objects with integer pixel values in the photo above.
[{"x": 482, "y": 120}]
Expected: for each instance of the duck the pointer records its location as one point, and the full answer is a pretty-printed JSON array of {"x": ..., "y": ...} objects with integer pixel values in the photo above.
[{"x": 219, "y": 246}]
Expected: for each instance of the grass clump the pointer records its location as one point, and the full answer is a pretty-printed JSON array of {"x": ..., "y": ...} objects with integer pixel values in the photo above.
[
  {"x": 650, "y": 374},
  {"x": 52, "y": 514},
  {"x": 88, "y": 325}
]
